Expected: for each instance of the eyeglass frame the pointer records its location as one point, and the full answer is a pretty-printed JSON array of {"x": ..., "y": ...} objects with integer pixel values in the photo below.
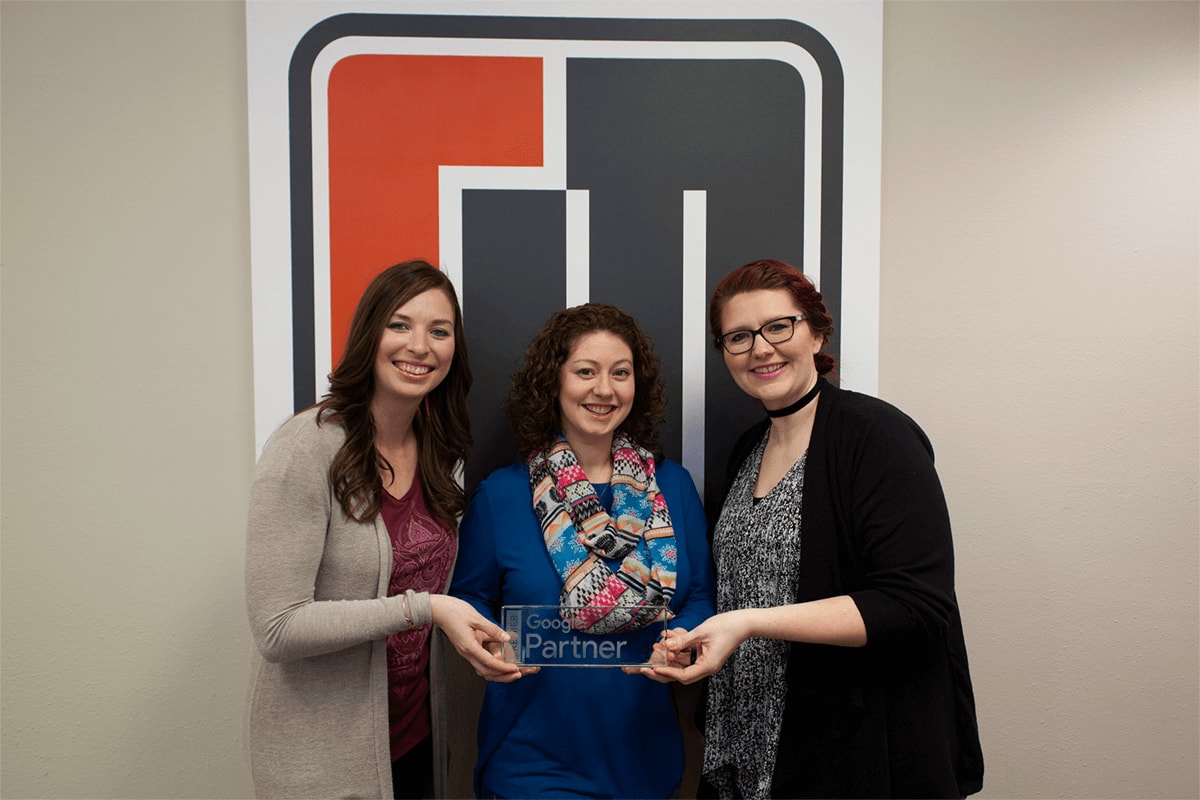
[{"x": 761, "y": 332}]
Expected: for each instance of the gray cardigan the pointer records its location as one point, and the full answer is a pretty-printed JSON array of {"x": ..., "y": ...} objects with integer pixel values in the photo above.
[{"x": 316, "y": 593}]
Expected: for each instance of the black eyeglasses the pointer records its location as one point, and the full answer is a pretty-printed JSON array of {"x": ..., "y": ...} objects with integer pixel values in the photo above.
[{"x": 777, "y": 331}]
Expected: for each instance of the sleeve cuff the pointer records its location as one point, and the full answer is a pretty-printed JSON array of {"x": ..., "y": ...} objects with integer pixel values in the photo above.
[{"x": 420, "y": 610}]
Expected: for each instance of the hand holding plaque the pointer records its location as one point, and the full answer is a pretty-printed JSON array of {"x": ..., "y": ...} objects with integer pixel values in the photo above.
[{"x": 541, "y": 637}]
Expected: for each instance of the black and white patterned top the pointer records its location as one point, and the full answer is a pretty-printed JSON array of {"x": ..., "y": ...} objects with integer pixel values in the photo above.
[{"x": 756, "y": 549}]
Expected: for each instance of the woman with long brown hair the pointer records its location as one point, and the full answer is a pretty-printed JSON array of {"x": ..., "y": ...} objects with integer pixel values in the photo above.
[{"x": 350, "y": 544}]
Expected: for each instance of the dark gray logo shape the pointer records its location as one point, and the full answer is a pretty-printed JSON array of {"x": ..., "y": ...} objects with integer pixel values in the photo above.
[{"x": 639, "y": 133}]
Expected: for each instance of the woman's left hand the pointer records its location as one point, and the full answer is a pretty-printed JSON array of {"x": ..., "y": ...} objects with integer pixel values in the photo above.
[{"x": 475, "y": 637}]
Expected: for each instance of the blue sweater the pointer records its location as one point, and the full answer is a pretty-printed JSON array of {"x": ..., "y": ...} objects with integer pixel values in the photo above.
[{"x": 573, "y": 732}]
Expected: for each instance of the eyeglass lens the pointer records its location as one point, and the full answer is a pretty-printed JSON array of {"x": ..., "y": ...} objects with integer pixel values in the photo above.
[{"x": 776, "y": 331}]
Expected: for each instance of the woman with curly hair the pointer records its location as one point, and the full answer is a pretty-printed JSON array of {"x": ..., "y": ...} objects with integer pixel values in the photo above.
[
  {"x": 349, "y": 542},
  {"x": 591, "y": 519}
]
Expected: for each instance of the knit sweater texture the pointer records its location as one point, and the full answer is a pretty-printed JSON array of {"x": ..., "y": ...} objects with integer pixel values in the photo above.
[{"x": 316, "y": 595}]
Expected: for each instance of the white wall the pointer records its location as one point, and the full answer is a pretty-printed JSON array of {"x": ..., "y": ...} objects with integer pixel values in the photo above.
[{"x": 1039, "y": 317}]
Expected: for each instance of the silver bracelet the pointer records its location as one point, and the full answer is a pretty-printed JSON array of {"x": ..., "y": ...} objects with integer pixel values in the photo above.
[{"x": 404, "y": 607}]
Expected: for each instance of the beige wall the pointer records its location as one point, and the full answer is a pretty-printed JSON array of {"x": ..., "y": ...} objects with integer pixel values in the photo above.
[{"x": 1038, "y": 316}]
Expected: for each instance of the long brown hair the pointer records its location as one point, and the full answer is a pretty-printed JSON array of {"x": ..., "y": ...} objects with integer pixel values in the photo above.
[
  {"x": 442, "y": 425},
  {"x": 533, "y": 411}
]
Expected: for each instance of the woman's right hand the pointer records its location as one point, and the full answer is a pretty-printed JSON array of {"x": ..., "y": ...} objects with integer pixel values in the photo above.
[
  {"x": 711, "y": 642},
  {"x": 476, "y": 638}
]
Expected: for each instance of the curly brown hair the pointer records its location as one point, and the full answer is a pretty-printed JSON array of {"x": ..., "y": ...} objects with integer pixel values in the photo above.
[
  {"x": 533, "y": 409},
  {"x": 442, "y": 426}
]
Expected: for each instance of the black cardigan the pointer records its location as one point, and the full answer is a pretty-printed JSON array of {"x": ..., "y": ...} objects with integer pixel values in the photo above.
[{"x": 895, "y": 718}]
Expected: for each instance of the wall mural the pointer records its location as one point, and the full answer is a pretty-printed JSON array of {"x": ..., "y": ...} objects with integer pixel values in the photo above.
[{"x": 554, "y": 160}]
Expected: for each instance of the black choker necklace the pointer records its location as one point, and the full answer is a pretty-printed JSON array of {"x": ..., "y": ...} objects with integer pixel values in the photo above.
[{"x": 796, "y": 406}]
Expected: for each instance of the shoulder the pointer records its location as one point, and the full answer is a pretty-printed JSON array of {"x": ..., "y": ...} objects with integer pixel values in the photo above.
[
  {"x": 676, "y": 483},
  {"x": 671, "y": 473},
  {"x": 500, "y": 498},
  {"x": 301, "y": 437},
  {"x": 851, "y": 405},
  {"x": 745, "y": 445},
  {"x": 851, "y": 414},
  {"x": 506, "y": 481},
  {"x": 750, "y": 437}
]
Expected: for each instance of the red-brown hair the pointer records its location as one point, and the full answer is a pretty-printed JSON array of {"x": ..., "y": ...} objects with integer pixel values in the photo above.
[{"x": 769, "y": 273}]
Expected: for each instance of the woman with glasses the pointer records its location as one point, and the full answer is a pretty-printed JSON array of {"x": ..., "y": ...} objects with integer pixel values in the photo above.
[{"x": 837, "y": 661}]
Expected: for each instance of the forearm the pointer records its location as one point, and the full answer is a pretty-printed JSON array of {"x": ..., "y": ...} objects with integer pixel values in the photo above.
[
  {"x": 325, "y": 626},
  {"x": 303, "y": 556},
  {"x": 832, "y": 621}
]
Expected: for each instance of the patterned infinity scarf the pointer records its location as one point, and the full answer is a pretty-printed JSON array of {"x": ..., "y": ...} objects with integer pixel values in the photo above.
[{"x": 580, "y": 534}]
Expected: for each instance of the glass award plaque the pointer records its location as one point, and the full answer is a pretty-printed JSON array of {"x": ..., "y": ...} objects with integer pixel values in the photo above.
[{"x": 542, "y": 638}]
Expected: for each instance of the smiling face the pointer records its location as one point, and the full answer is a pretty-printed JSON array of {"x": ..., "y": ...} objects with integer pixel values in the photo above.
[
  {"x": 595, "y": 388},
  {"x": 416, "y": 348},
  {"x": 775, "y": 374}
]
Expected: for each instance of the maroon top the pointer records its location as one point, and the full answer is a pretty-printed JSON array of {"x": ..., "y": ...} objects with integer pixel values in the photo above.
[{"x": 423, "y": 550}]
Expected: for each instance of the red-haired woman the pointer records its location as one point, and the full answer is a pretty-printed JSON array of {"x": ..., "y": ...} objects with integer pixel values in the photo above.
[
  {"x": 349, "y": 546},
  {"x": 837, "y": 661}
]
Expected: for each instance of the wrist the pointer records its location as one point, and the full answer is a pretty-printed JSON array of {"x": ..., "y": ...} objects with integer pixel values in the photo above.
[
  {"x": 745, "y": 623},
  {"x": 417, "y": 608}
]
